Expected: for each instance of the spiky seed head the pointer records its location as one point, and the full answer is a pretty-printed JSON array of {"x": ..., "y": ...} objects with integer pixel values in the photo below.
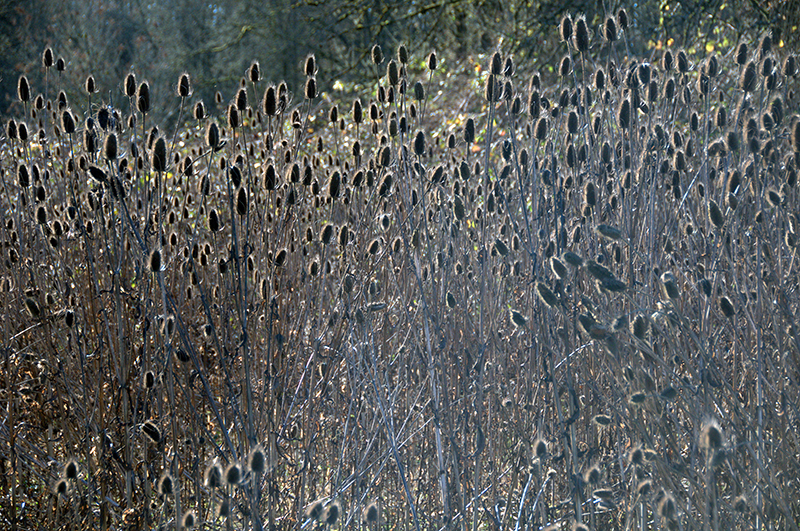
[
  {"x": 541, "y": 129},
  {"x": 269, "y": 103},
  {"x": 748, "y": 79},
  {"x": 189, "y": 520},
  {"x": 402, "y": 54},
  {"x": 314, "y": 509},
  {"x": 740, "y": 503},
  {"x": 331, "y": 513},
  {"x": 715, "y": 214},
  {"x": 254, "y": 72},
  {"x": 257, "y": 461},
  {"x": 432, "y": 61},
  {"x": 241, "y": 201},
  {"x": 110, "y": 147},
  {"x": 61, "y": 487},
  {"x": 71, "y": 469},
  {"x": 377, "y": 54},
  {"x": 47, "y": 57},
  {"x": 607, "y": 231},
  {"x": 795, "y": 136},
  {"x": 155, "y": 261},
  {"x": 546, "y": 295},
  {"x": 637, "y": 398},
  {"x": 610, "y": 29},
  {"x": 518, "y": 319},
  {"x": 149, "y": 380},
  {"x": 624, "y": 114},
  {"x": 213, "y": 476},
  {"x": 540, "y": 448},
  {"x": 578, "y": 526},
  {"x": 311, "y": 88},
  {"x": 310, "y": 67},
  {"x": 67, "y": 122},
  {"x": 61, "y": 64},
  {"x": 233, "y": 474},
  {"x": 151, "y": 430},
  {"x": 581, "y": 36},
  {"x": 371, "y": 512},
  {"x": 393, "y": 73},
  {"x": 419, "y": 143},
  {"x": 23, "y": 89},
  {"x": 637, "y": 456},
  {"x": 451, "y": 300},
  {"x": 572, "y": 259},
  {"x": 683, "y": 62},
  {"x": 166, "y": 484},
  {"x": 358, "y": 111},
  {"x": 592, "y": 475},
  {"x": 711, "y": 436},
  {"x": 469, "y": 131},
  {"x": 670, "y": 285},
  {"x": 565, "y": 28},
  {"x": 143, "y": 97}
]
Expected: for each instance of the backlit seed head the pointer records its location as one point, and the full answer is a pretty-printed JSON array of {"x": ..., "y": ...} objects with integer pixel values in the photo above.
[
  {"x": 61, "y": 487},
  {"x": 644, "y": 487},
  {"x": 518, "y": 319},
  {"x": 151, "y": 430},
  {"x": 189, "y": 520},
  {"x": 581, "y": 37},
  {"x": 67, "y": 122},
  {"x": 166, "y": 484},
  {"x": 432, "y": 61},
  {"x": 23, "y": 89},
  {"x": 377, "y": 54},
  {"x": 602, "y": 420},
  {"x": 213, "y": 476},
  {"x": 592, "y": 475},
  {"x": 155, "y": 261},
  {"x": 637, "y": 456},
  {"x": 257, "y": 461},
  {"x": 33, "y": 308},
  {"x": 715, "y": 214},
  {"x": 314, "y": 509},
  {"x": 726, "y": 307},
  {"x": 311, "y": 88},
  {"x": 711, "y": 436},
  {"x": 610, "y": 29},
  {"x": 565, "y": 28},
  {"x": 748, "y": 79},
  {"x": 371, "y": 513},
  {"x": 233, "y": 474},
  {"x": 540, "y": 448},
  {"x": 143, "y": 97},
  {"x": 47, "y": 57},
  {"x": 331, "y": 513},
  {"x": 71, "y": 469},
  {"x": 546, "y": 295}
]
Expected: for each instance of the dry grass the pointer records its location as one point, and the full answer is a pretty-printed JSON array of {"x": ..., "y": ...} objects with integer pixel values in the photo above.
[{"x": 569, "y": 310}]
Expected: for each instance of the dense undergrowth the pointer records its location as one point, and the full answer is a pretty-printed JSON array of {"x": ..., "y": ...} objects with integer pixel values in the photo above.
[{"x": 570, "y": 303}]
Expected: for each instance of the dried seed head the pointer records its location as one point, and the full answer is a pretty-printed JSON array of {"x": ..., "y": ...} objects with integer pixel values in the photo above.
[
  {"x": 311, "y": 88},
  {"x": 644, "y": 487},
  {"x": 47, "y": 57},
  {"x": 358, "y": 111},
  {"x": 149, "y": 380},
  {"x": 23, "y": 89},
  {"x": 184, "y": 88},
  {"x": 213, "y": 476},
  {"x": 419, "y": 143},
  {"x": 517, "y": 318},
  {"x": 143, "y": 97},
  {"x": 158, "y": 157},
  {"x": 610, "y": 29},
  {"x": 748, "y": 79},
  {"x": 151, "y": 430},
  {"x": 622, "y": 18},
  {"x": 624, "y": 114},
  {"x": 71, "y": 469},
  {"x": 602, "y": 420},
  {"x": 254, "y": 72},
  {"x": 189, "y": 520},
  {"x": 795, "y": 136},
  {"x": 110, "y": 147},
  {"x": 393, "y": 73},
  {"x": 726, "y": 307},
  {"x": 233, "y": 474},
  {"x": 715, "y": 214},
  {"x": 331, "y": 513},
  {"x": 565, "y": 28},
  {"x": 402, "y": 54},
  {"x": 371, "y": 512},
  {"x": 432, "y": 61},
  {"x": 155, "y": 261},
  {"x": 592, "y": 475},
  {"x": 546, "y": 295},
  {"x": 541, "y": 129},
  {"x": 67, "y": 122},
  {"x": 711, "y": 436},
  {"x": 257, "y": 461},
  {"x": 310, "y": 67},
  {"x": 61, "y": 487},
  {"x": 683, "y": 62},
  {"x": 377, "y": 54},
  {"x": 540, "y": 448},
  {"x": 166, "y": 484},
  {"x": 314, "y": 510},
  {"x": 581, "y": 37}
]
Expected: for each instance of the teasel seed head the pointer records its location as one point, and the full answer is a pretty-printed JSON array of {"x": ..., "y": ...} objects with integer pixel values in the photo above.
[
  {"x": 518, "y": 319},
  {"x": 432, "y": 61},
  {"x": 143, "y": 97},
  {"x": 257, "y": 461},
  {"x": 748, "y": 78},
  {"x": 393, "y": 73},
  {"x": 47, "y": 57},
  {"x": 269, "y": 104},
  {"x": 565, "y": 28},
  {"x": 151, "y": 430},
  {"x": 158, "y": 157},
  {"x": 581, "y": 36},
  {"x": 726, "y": 307},
  {"x": 402, "y": 54},
  {"x": 110, "y": 147},
  {"x": 540, "y": 448},
  {"x": 715, "y": 214},
  {"x": 711, "y": 436},
  {"x": 233, "y": 474},
  {"x": 419, "y": 143},
  {"x": 71, "y": 470},
  {"x": 212, "y": 135},
  {"x": 313, "y": 510},
  {"x": 377, "y": 55},
  {"x": 61, "y": 487},
  {"x": 311, "y": 88},
  {"x": 189, "y": 520},
  {"x": 610, "y": 29},
  {"x": 540, "y": 132},
  {"x": 67, "y": 122},
  {"x": 371, "y": 512},
  {"x": 155, "y": 261},
  {"x": 23, "y": 89},
  {"x": 166, "y": 484},
  {"x": 213, "y": 476},
  {"x": 592, "y": 475}
]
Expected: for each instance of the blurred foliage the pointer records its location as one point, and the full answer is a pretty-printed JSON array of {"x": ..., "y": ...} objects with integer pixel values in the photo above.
[{"x": 216, "y": 41}]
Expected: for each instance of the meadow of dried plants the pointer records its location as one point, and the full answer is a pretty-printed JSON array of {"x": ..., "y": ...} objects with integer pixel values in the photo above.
[{"x": 563, "y": 301}]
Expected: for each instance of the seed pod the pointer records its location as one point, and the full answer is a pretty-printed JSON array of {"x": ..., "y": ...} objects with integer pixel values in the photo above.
[
  {"x": 469, "y": 131},
  {"x": 311, "y": 88},
  {"x": 377, "y": 54},
  {"x": 393, "y": 73},
  {"x": 683, "y": 62},
  {"x": 540, "y": 132},
  {"x": 432, "y": 62},
  {"x": 610, "y": 29},
  {"x": 358, "y": 112},
  {"x": 624, "y": 114},
  {"x": 419, "y": 144},
  {"x": 311, "y": 65},
  {"x": 23, "y": 89},
  {"x": 269, "y": 103},
  {"x": 158, "y": 158},
  {"x": 67, "y": 122},
  {"x": 715, "y": 214}
]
